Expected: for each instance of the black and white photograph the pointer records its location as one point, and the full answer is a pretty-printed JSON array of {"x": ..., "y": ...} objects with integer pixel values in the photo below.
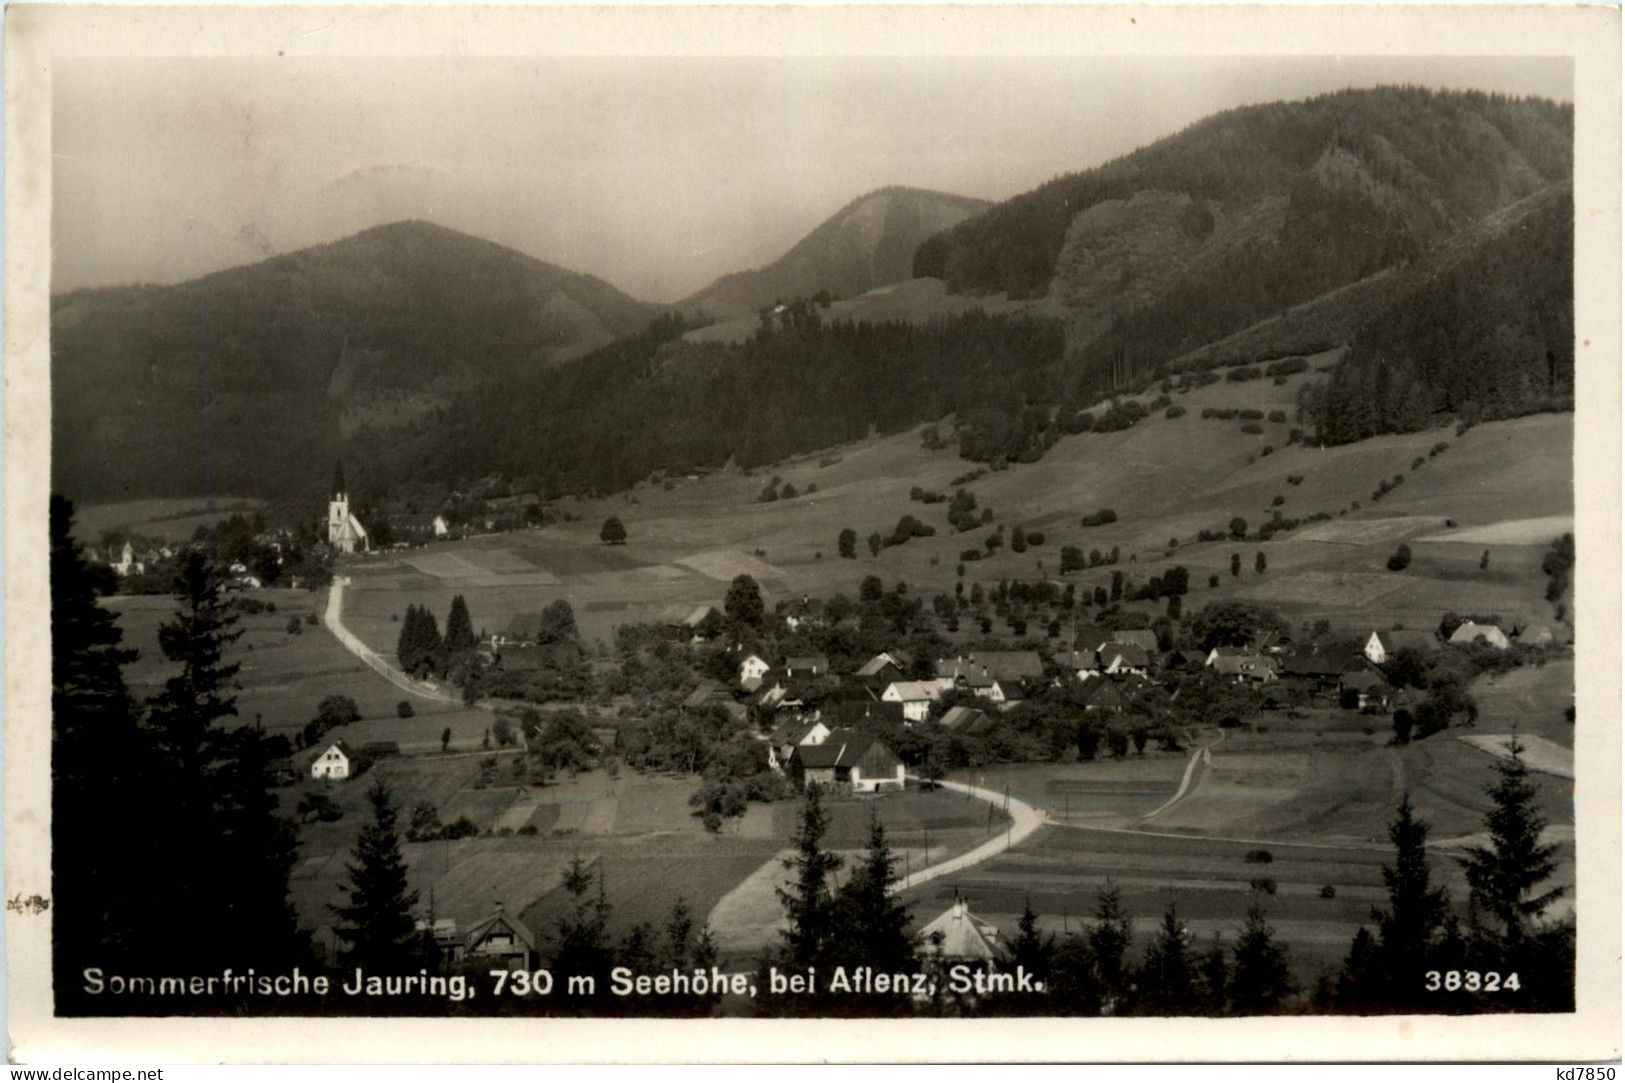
[{"x": 1054, "y": 526}]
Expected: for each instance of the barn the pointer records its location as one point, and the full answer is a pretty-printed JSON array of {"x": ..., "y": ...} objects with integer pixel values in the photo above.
[{"x": 848, "y": 760}]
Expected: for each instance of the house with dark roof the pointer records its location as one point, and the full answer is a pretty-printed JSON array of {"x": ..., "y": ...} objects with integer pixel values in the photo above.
[
  {"x": 1144, "y": 638},
  {"x": 849, "y": 760},
  {"x": 1365, "y": 689},
  {"x": 790, "y": 735},
  {"x": 981, "y": 668},
  {"x": 806, "y": 666},
  {"x": 1119, "y": 659},
  {"x": 1082, "y": 664},
  {"x": 502, "y": 942},
  {"x": 967, "y": 720},
  {"x": 862, "y": 714},
  {"x": 1245, "y": 668},
  {"x": 1102, "y": 696},
  {"x": 1317, "y": 667}
]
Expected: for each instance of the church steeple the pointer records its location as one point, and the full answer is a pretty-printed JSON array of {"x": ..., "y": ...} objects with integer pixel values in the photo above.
[{"x": 338, "y": 477}]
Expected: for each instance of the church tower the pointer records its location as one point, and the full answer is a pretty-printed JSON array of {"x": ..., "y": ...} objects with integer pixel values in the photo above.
[{"x": 344, "y": 531}]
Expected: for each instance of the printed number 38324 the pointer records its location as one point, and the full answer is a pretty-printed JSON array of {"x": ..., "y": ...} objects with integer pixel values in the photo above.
[{"x": 1473, "y": 981}]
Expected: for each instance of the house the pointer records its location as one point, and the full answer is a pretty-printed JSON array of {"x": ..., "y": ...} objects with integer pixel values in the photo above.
[
  {"x": 421, "y": 526},
  {"x": 1469, "y": 632},
  {"x": 1144, "y": 638},
  {"x": 807, "y": 665},
  {"x": 1082, "y": 664},
  {"x": 798, "y": 615},
  {"x": 792, "y": 735},
  {"x": 1102, "y": 696},
  {"x": 501, "y": 941},
  {"x": 881, "y": 670},
  {"x": 710, "y": 695},
  {"x": 1381, "y": 646},
  {"x": 967, "y": 720},
  {"x": 1366, "y": 688},
  {"x": 848, "y": 759},
  {"x": 982, "y": 668},
  {"x": 1258, "y": 668},
  {"x": 957, "y": 935},
  {"x": 1317, "y": 668},
  {"x": 1536, "y": 635},
  {"x": 448, "y": 944},
  {"x": 752, "y": 668},
  {"x": 916, "y": 697},
  {"x": 334, "y": 762},
  {"x": 863, "y": 714},
  {"x": 683, "y": 615},
  {"x": 1118, "y": 659}
]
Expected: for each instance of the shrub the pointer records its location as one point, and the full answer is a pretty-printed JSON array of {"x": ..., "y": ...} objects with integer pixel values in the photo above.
[
  {"x": 1259, "y": 857},
  {"x": 1034, "y": 538},
  {"x": 1328, "y": 892},
  {"x": 1294, "y": 479},
  {"x": 1175, "y": 411},
  {"x": 1250, "y": 415},
  {"x": 1253, "y": 428},
  {"x": 403, "y": 709},
  {"x": 1400, "y": 560},
  {"x": 1100, "y": 518},
  {"x": 1278, "y": 417},
  {"x": 1262, "y": 884}
]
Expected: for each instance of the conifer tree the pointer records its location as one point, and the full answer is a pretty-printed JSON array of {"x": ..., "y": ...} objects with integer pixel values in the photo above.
[
  {"x": 1108, "y": 943},
  {"x": 1213, "y": 986},
  {"x": 1410, "y": 927},
  {"x": 100, "y": 831},
  {"x": 871, "y": 924},
  {"x": 376, "y": 924},
  {"x": 581, "y": 941},
  {"x": 1168, "y": 978},
  {"x": 808, "y": 902},
  {"x": 258, "y": 848},
  {"x": 1260, "y": 980},
  {"x": 1504, "y": 877},
  {"x": 1031, "y": 950},
  {"x": 460, "y": 637}
]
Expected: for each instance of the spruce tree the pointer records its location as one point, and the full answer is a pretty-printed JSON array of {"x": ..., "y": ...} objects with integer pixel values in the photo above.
[
  {"x": 1260, "y": 980},
  {"x": 1168, "y": 978},
  {"x": 1504, "y": 876},
  {"x": 581, "y": 940},
  {"x": 1213, "y": 988},
  {"x": 1409, "y": 928},
  {"x": 100, "y": 827},
  {"x": 1031, "y": 950},
  {"x": 871, "y": 924},
  {"x": 376, "y": 925},
  {"x": 186, "y": 721},
  {"x": 460, "y": 637},
  {"x": 1108, "y": 945},
  {"x": 808, "y": 902},
  {"x": 259, "y": 848}
]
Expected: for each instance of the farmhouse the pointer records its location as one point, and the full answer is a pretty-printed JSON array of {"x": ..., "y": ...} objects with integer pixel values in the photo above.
[
  {"x": 503, "y": 941},
  {"x": 333, "y": 762},
  {"x": 1143, "y": 638},
  {"x": 1245, "y": 667},
  {"x": 1082, "y": 664},
  {"x": 710, "y": 695},
  {"x": 1317, "y": 668},
  {"x": 966, "y": 720},
  {"x": 1471, "y": 632},
  {"x": 752, "y": 668},
  {"x": 984, "y": 667},
  {"x": 807, "y": 665},
  {"x": 417, "y": 527},
  {"x": 1118, "y": 659},
  {"x": 916, "y": 697},
  {"x": 957, "y": 935},
  {"x": 865, "y": 713},
  {"x": 848, "y": 759},
  {"x": 791, "y": 735},
  {"x": 1365, "y": 688},
  {"x": 1381, "y": 646},
  {"x": 1102, "y": 696}
]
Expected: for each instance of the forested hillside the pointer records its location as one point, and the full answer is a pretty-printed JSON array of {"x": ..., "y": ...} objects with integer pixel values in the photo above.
[
  {"x": 1363, "y": 177},
  {"x": 652, "y": 403},
  {"x": 870, "y": 242},
  {"x": 243, "y": 381}
]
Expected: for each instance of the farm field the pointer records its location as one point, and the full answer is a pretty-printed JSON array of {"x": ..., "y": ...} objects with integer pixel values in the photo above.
[
  {"x": 284, "y": 677},
  {"x": 1165, "y": 478}
]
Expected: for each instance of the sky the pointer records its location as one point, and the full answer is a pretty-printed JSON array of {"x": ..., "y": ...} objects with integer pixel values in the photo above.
[{"x": 657, "y": 175}]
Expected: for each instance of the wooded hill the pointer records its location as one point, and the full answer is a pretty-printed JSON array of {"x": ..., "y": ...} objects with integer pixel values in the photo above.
[
  {"x": 870, "y": 242},
  {"x": 243, "y": 381}
]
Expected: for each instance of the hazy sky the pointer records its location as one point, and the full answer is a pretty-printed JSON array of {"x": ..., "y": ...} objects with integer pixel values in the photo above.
[{"x": 657, "y": 175}]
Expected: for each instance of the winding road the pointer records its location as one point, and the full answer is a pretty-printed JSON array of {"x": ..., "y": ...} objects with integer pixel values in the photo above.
[
  {"x": 333, "y": 621},
  {"x": 1024, "y": 820}
]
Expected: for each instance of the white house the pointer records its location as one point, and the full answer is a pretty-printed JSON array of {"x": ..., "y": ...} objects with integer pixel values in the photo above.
[
  {"x": 1381, "y": 646},
  {"x": 790, "y": 736},
  {"x": 334, "y": 762},
  {"x": 1471, "y": 632},
  {"x": 751, "y": 671},
  {"x": 916, "y": 696}
]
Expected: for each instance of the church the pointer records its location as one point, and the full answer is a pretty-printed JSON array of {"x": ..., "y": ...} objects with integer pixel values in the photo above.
[{"x": 344, "y": 531}]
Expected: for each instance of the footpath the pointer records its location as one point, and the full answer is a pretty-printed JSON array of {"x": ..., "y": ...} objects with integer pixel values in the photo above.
[{"x": 333, "y": 621}]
